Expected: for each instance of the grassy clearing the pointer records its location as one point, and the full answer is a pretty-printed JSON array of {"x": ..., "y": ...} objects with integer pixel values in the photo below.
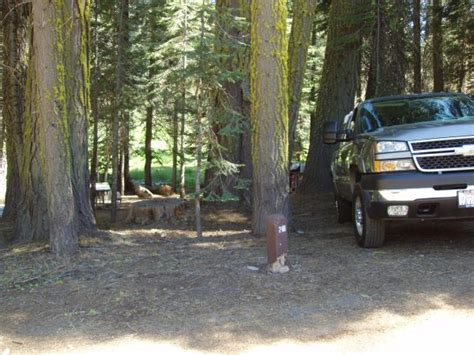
[{"x": 161, "y": 172}]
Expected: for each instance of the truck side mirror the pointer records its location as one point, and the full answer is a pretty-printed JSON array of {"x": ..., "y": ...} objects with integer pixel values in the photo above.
[{"x": 330, "y": 132}]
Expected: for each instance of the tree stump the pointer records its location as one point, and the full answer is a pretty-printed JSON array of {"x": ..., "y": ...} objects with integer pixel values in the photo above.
[{"x": 156, "y": 210}]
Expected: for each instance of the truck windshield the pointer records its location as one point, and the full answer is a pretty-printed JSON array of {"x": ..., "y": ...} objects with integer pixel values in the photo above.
[{"x": 375, "y": 115}]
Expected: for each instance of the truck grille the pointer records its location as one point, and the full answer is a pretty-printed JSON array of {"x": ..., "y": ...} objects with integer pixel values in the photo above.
[
  {"x": 445, "y": 162},
  {"x": 443, "y": 144},
  {"x": 452, "y": 154}
]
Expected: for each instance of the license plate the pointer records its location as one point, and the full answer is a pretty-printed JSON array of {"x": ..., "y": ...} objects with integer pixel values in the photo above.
[{"x": 466, "y": 199}]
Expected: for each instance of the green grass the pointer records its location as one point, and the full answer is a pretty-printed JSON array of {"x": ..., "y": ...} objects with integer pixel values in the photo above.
[{"x": 161, "y": 174}]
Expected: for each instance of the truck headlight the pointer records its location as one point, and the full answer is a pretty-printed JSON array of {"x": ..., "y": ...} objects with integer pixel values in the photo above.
[
  {"x": 384, "y": 166},
  {"x": 390, "y": 147}
]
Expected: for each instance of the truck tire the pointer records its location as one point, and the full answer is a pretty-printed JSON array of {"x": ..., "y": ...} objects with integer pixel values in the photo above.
[
  {"x": 343, "y": 210},
  {"x": 369, "y": 232}
]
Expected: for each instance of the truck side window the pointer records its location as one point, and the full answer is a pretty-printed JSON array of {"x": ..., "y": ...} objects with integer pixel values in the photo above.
[{"x": 368, "y": 121}]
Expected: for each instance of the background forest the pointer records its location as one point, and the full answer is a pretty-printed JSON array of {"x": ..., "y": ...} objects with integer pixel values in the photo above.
[{"x": 171, "y": 96}]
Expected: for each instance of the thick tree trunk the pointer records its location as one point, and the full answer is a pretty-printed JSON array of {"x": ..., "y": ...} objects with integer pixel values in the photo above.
[
  {"x": 78, "y": 101},
  {"x": 300, "y": 39},
  {"x": 437, "y": 31},
  {"x": 416, "y": 46},
  {"x": 56, "y": 116},
  {"x": 269, "y": 93},
  {"x": 26, "y": 197},
  {"x": 337, "y": 87},
  {"x": 388, "y": 61}
]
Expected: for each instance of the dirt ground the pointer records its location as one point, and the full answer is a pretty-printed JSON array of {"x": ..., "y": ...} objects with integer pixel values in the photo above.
[{"x": 158, "y": 289}]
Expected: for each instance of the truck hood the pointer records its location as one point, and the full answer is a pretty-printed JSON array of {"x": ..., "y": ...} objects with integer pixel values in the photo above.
[{"x": 425, "y": 130}]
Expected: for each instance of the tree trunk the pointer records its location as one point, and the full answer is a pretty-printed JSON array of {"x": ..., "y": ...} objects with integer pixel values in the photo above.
[
  {"x": 148, "y": 151},
  {"x": 228, "y": 102},
  {"x": 149, "y": 130},
  {"x": 26, "y": 197},
  {"x": 122, "y": 18},
  {"x": 300, "y": 39},
  {"x": 126, "y": 183},
  {"x": 95, "y": 109},
  {"x": 416, "y": 46},
  {"x": 337, "y": 88},
  {"x": 16, "y": 56},
  {"x": 182, "y": 166},
  {"x": 388, "y": 61},
  {"x": 174, "y": 175},
  {"x": 57, "y": 114},
  {"x": 197, "y": 179},
  {"x": 269, "y": 93},
  {"x": 78, "y": 101},
  {"x": 437, "y": 32}
]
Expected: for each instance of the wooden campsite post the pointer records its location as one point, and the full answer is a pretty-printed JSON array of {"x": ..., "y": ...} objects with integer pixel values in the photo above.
[{"x": 277, "y": 243}]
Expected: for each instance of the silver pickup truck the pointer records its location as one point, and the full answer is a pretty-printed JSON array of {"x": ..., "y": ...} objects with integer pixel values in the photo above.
[{"x": 403, "y": 157}]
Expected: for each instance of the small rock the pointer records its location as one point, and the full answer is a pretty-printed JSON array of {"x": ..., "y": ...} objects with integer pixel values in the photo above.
[
  {"x": 252, "y": 268},
  {"x": 279, "y": 267},
  {"x": 299, "y": 231}
]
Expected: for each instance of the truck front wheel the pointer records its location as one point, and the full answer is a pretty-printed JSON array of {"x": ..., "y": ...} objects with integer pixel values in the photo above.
[{"x": 369, "y": 232}]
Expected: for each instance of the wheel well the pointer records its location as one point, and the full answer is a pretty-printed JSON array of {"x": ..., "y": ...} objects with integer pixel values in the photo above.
[{"x": 355, "y": 176}]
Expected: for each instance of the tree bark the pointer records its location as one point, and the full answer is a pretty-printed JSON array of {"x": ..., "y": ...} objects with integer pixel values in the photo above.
[
  {"x": 228, "y": 102},
  {"x": 149, "y": 128},
  {"x": 300, "y": 39},
  {"x": 26, "y": 198},
  {"x": 337, "y": 88},
  {"x": 174, "y": 174},
  {"x": 416, "y": 47},
  {"x": 437, "y": 32},
  {"x": 182, "y": 154},
  {"x": 148, "y": 150},
  {"x": 269, "y": 94},
  {"x": 77, "y": 50},
  {"x": 123, "y": 11},
  {"x": 56, "y": 113},
  {"x": 15, "y": 55},
  {"x": 95, "y": 109},
  {"x": 388, "y": 60}
]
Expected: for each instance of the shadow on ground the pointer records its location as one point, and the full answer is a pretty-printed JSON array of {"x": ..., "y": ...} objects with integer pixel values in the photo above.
[{"x": 159, "y": 283}]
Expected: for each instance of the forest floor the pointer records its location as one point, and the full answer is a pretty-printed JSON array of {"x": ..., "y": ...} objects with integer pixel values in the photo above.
[{"x": 157, "y": 288}]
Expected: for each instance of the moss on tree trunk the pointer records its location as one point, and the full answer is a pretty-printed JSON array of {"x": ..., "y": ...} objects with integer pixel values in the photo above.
[{"x": 269, "y": 103}]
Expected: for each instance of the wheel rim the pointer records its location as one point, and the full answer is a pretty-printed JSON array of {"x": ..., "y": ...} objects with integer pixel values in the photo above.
[{"x": 358, "y": 216}]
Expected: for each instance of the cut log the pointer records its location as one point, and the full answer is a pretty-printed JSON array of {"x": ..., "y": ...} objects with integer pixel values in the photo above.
[
  {"x": 164, "y": 190},
  {"x": 156, "y": 210},
  {"x": 143, "y": 192}
]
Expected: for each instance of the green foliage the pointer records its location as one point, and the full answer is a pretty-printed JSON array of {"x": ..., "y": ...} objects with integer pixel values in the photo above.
[{"x": 459, "y": 45}]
